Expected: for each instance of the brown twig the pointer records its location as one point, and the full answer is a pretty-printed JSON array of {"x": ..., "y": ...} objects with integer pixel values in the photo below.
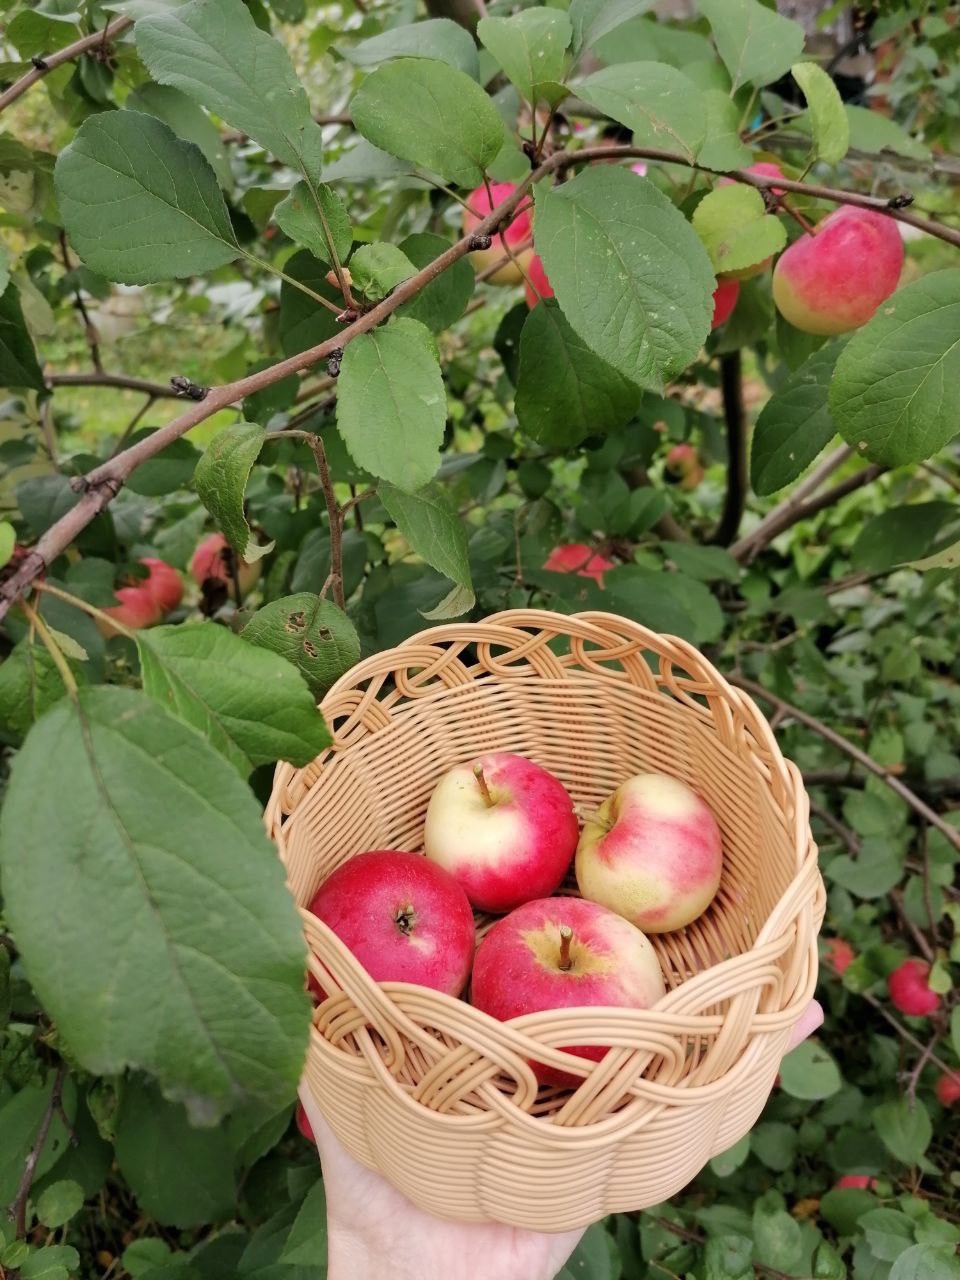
[
  {"x": 731, "y": 383},
  {"x": 43, "y": 66},
  {"x": 914, "y": 1077},
  {"x": 18, "y": 1209},
  {"x": 98, "y": 378},
  {"x": 89, "y": 329},
  {"x": 902, "y": 1031},
  {"x": 774, "y": 521},
  {"x": 837, "y": 740},
  {"x": 896, "y": 899},
  {"x": 335, "y": 517}
]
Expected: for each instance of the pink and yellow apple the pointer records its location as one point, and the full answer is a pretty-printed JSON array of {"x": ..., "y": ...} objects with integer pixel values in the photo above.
[
  {"x": 578, "y": 558},
  {"x": 724, "y": 300},
  {"x": 683, "y": 467},
  {"x": 833, "y": 280},
  {"x": 503, "y": 827},
  {"x": 479, "y": 205},
  {"x": 564, "y": 953},
  {"x": 144, "y": 602},
  {"x": 537, "y": 277},
  {"x": 652, "y": 852},
  {"x": 403, "y": 917},
  {"x": 212, "y": 559},
  {"x": 163, "y": 583}
]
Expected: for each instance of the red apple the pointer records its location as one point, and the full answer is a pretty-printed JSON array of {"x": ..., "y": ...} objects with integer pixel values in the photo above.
[
  {"x": 652, "y": 852},
  {"x": 403, "y": 917},
  {"x": 909, "y": 990},
  {"x": 480, "y": 205},
  {"x": 163, "y": 583},
  {"x": 212, "y": 559},
  {"x": 724, "y": 300},
  {"x": 839, "y": 954},
  {"x": 683, "y": 467},
  {"x": 537, "y": 277},
  {"x": 504, "y": 827},
  {"x": 143, "y": 602},
  {"x": 860, "y": 1181},
  {"x": 564, "y": 953},
  {"x": 303, "y": 1123},
  {"x": 834, "y": 280},
  {"x": 578, "y": 558},
  {"x": 947, "y": 1089}
]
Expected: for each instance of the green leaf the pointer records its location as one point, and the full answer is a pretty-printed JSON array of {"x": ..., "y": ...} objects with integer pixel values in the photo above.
[
  {"x": 431, "y": 524},
  {"x": 250, "y": 704},
  {"x": 729, "y": 1161},
  {"x": 531, "y": 47},
  {"x": 926, "y": 1262},
  {"x": 722, "y": 148},
  {"x": 221, "y": 481},
  {"x": 188, "y": 121},
  {"x": 54, "y": 1262},
  {"x": 391, "y": 403},
  {"x": 4, "y": 268},
  {"x": 564, "y": 391},
  {"x": 794, "y": 425},
  {"x": 904, "y": 1129},
  {"x": 735, "y": 228},
  {"x": 378, "y": 268},
  {"x": 842, "y": 1207},
  {"x": 900, "y": 534},
  {"x": 707, "y": 564},
  {"x": 317, "y": 637},
  {"x": 594, "y": 19},
  {"x": 828, "y": 120},
  {"x": 5, "y": 992},
  {"x": 213, "y": 51},
  {"x": 630, "y": 273},
  {"x": 447, "y": 123},
  {"x": 18, "y": 360},
  {"x": 455, "y": 604},
  {"x": 179, "y": 949},
  {"x": 181, "y": 1176},
  {"x": 304, "y": 323},
  {"x": 892, "y": 396},
  {"x": 438, "y": 38},
  {"x": 871, "y": 875},
  {"x": 948, "y": 558},
  {"x": 955, "y": 1030},
  {"x": 8, "y": 540},
  {"x": 143, "y": 1255},
  {"x": 59, "y": 1203},
  {"x": 810, "y": 1072},
  {"x": 756, "y": 44},
  {"x": 302, "y": 214},
  {"x": 20, "y": 1119},
  {"x": 444, "y": 299},
  {"x": 29, "y": 685},
  {"x": 874, "y": 133},
  {"x": 138, "y": 204},
  {"x": 727, "y": 1257},
  {"x": 888, "y": 1233},
  {"x": 591, "y": 1258},
  {"x": 662, "y": 106},
  {"x": 775, "y": 1144},
  {"x": 306, "y": 1244},
  {"x": 777, "y": 1239}
]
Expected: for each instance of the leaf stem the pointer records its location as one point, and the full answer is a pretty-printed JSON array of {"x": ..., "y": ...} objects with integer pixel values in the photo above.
[
  {"x": 18, "y": 1209},
  {"x": 51, "y": 646},
  {"x": 86, "y": 607}
]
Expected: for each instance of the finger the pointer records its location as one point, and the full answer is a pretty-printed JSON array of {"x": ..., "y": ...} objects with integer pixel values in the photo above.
[{"x": 806, "y": 1024}]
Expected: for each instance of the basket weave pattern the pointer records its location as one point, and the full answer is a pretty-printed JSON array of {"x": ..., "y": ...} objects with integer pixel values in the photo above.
[{"x": 440, "y": 1097}]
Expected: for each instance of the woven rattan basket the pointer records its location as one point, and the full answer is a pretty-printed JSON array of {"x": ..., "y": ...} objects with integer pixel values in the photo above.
[{"x": 438, "y": 1096}]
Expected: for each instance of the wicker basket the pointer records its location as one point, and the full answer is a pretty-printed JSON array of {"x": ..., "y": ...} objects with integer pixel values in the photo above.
[{"x": 438, "y": 1096}]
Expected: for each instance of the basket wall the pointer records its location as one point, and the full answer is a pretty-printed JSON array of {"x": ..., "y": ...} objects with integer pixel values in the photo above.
[{"x": 438, "y": 1096}]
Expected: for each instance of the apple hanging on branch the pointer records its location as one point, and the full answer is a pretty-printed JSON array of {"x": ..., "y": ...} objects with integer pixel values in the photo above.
[{"x": 482, "y": 202}]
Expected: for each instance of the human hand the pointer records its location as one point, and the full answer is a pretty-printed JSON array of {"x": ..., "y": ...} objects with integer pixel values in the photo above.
[{"x": 370, "y": 1222}]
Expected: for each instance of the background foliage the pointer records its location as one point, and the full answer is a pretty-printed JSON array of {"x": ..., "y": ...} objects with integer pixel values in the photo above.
[{"x": 179, "y": 196}]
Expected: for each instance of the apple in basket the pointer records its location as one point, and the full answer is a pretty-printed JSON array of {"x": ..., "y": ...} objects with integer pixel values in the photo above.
[
  {"x": 404, "y": 918},
  {"x": 559, "y": 953},
  {"x": 504, "y": 827},
  {"x": 652, "y": 853}
]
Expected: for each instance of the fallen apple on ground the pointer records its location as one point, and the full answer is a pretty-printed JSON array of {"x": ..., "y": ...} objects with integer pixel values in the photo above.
[
  {"x": 560, "y": 953},
  {"x": 480, "y": 203},
  {"x": 652, "y": 852},
  {"x": 504, "y": 827},
  {"x": 402, "y": 916}
]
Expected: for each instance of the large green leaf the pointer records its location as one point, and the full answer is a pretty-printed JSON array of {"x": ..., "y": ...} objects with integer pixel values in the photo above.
[
  {"x": 660, "y": 105},
  {"x": 828, "y": 120},
  {"x": 722, "y": 147},
  {"x": 317, "y": 637},
  {"x": 178, "y": 947},
  {"x": 18, "y": 360},
  {"x": 756, "y": 44},
  {"x": 29, "y": 685},
  {"x": 874, "y": 133},
  {"x": 304, "y": 323},
  {"x": 591, "y": 1259},
  {"x": 391, "y": 404},
  {"x": 564, "y": 391},
  {"x": 594, "y": 19},
  {"x": 927, "y": 1262},
  {"x": 904, "y": 1128},
  {"x": 794, "y": 425},
  {"x": 20, "y": 1118},
  {"x": 629, "y": 272},
  {"x": 250, "y": 704},
  {"x": 431, "y": 114},
  {"x": 893, "y": 396},
  {"x": 810, "y": 1072},
  {"x": 736, "y": 229},
  {"x": 438, "y": 38},
  {"x": 188, "y": 121},
  {"x": 314, "y": 217},
  {"x": 221, "y": 479},
  {"x": 431, "y": 524},
  {"x": 307, "y": 1242},
  {"x": 215, "y": 53},
  {"x": 181, "y": 1176},
  {"x": 900, "y": 534},
  {"x": 531, "y": 47},
  {"x": 138, "y": 204},
  {"x": 445, "y": 298}
]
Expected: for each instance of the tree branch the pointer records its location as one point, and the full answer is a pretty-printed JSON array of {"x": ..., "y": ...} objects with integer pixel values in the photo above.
[
  {"x": 731, "y": 382},
  {"x": 43, "y": 66},
  {"x": 98, "y": 378},
  {"x": 18, "y": 1209},
  {"x": 842, "y": 744}
]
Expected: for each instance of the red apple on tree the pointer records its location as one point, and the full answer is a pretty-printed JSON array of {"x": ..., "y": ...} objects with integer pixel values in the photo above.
[
  {"x": 833, "y": 280},
  {"x": 163, "y": 583},
  {"x": 504, "y": 827},
  {"x": 839, "y": 955},
  {"x": 480, "y": 204},
  {"x": 578, "y": 558},
  {"x": 144, "y": 601},
  {"x": 537, "y": 277},
  {"x": 859, "y": 1181},
  {"x": 910, "y": 990},
  {"x": 213, "y": 559},
  {"x": 403, "y": 917},
  {"x": 724, "y": 300},
  {"x": 947, "y": 1089},
  {"x": 564, "y": 953},
  {"x": 683, "y": 467},
  {"x": 652, "y": 852}
]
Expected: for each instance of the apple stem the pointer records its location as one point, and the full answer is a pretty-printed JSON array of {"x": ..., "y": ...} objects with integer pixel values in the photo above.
[
  {"x": 566, "y": 937},
  {"x": 484, "y": 789},
  {"x": 404, "y": 919}
]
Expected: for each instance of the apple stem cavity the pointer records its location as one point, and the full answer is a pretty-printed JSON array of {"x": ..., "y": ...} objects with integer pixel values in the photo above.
[
  {"x": 482, "y": 783},
  {"x": 566, "y": 937},
  {"x": 405, "y": 919}
]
